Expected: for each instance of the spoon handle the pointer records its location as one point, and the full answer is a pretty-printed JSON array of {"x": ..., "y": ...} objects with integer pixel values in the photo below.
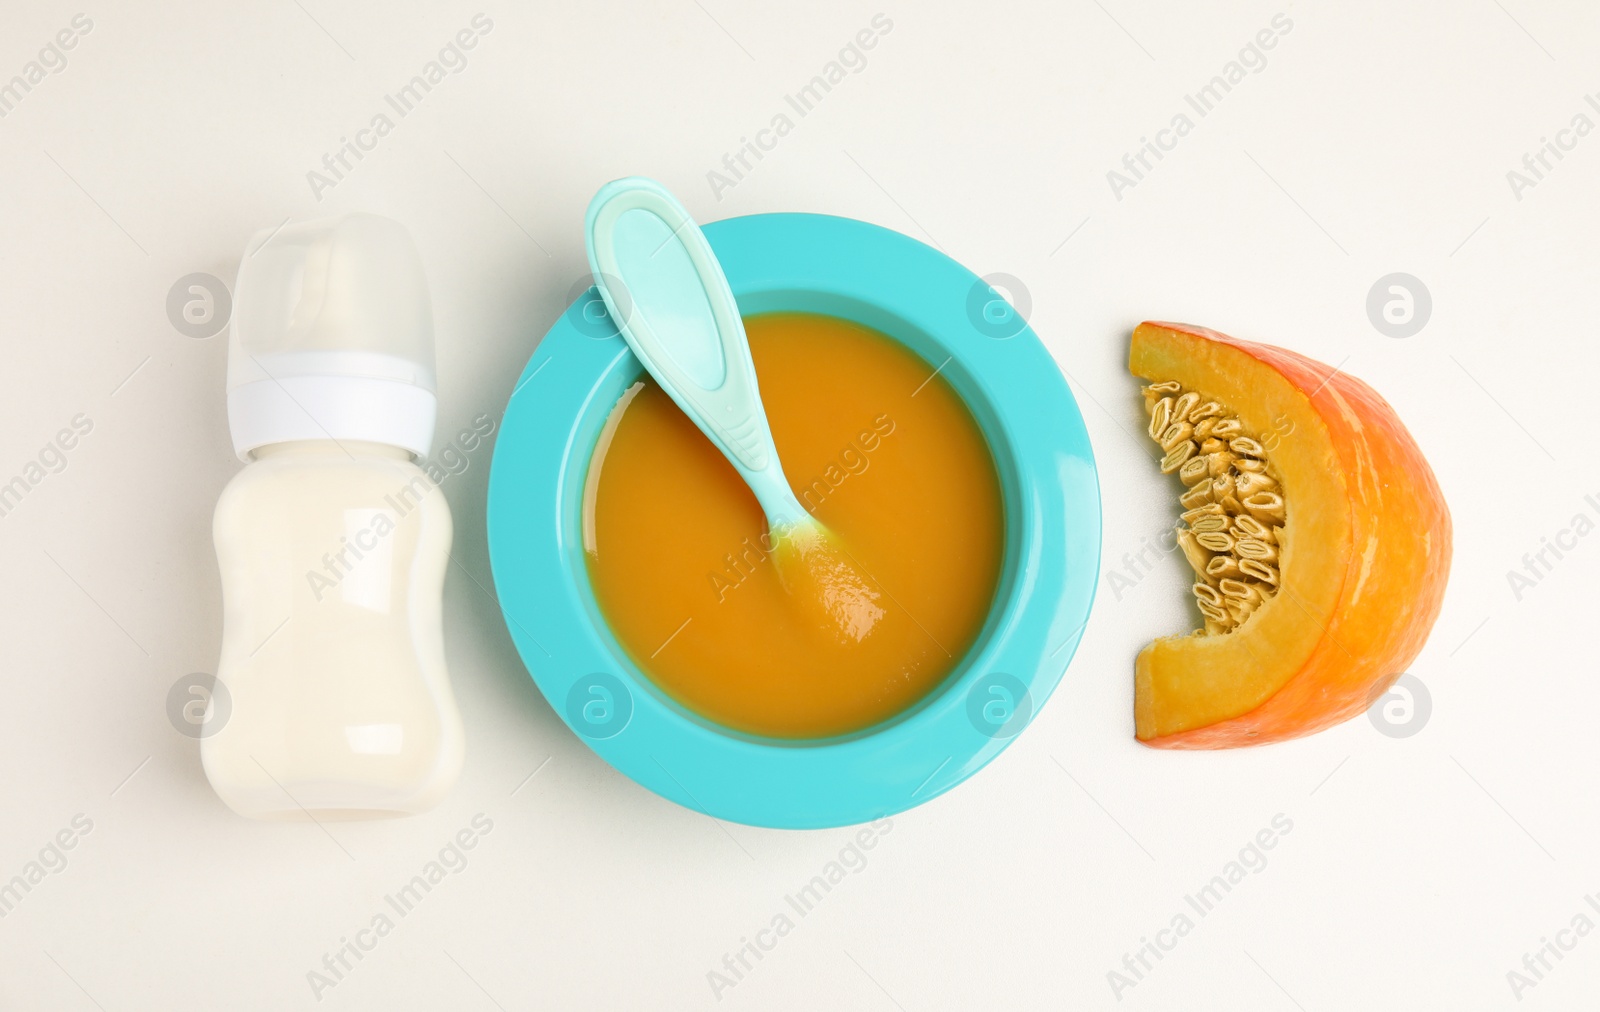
[{"x": 667, "y": 294}]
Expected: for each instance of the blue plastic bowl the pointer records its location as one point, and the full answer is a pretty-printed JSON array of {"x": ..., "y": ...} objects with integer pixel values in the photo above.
[{"x": 953, "y": 320}]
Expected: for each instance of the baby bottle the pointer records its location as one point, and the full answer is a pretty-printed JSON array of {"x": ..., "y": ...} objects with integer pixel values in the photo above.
[{"x": 332, "y": 542}]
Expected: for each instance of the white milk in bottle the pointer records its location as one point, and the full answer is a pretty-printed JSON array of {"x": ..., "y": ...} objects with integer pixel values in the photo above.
[{"x": 332, "y": 542}]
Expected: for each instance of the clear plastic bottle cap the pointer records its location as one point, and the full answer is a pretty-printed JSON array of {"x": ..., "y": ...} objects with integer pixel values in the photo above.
[{"x": 332, "y": 337}]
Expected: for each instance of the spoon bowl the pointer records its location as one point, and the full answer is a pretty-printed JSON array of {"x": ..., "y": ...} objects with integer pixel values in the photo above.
[{"x": 920, "y": 299}]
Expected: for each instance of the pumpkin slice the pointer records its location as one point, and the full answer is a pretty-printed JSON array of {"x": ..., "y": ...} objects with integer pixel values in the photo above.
[{"x": 1318, "y": 535}]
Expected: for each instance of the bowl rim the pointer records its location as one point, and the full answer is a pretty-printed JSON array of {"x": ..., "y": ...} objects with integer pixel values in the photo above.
[{"x": 1041, "y": 447}]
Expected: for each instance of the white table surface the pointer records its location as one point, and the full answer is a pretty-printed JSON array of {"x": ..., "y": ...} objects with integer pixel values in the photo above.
[{"x": 1377, "y": 138}]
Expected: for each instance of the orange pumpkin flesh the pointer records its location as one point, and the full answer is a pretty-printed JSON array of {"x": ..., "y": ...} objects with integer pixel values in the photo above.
[{"x": 1363, "y": 555}]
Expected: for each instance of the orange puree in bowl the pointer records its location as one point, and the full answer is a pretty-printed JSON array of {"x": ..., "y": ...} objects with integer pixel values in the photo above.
[{"x": 884, "y": 454}]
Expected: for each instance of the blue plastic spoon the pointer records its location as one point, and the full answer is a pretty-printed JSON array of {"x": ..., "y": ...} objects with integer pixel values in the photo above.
[{"x": 667, "y": 294}]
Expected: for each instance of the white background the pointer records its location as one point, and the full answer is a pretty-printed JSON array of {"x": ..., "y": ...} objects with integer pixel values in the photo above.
[{"x": 1419, "y": 870}]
